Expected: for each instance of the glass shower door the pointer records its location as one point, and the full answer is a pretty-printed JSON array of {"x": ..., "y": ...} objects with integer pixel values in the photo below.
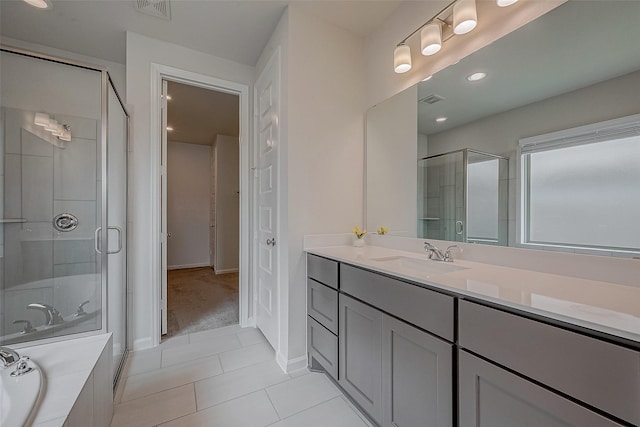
[
  {"x": 117, "y": 133},
  {"x": 443, "y": 210},
  {"x": 50, "y": 183}
]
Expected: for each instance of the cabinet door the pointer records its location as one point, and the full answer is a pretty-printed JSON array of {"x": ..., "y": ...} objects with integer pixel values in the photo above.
[
  {"x": 322, "y": 304},
  {"x": 416, "y": 377},
  {"x": 491, "y": 396},
  {"x": 360, "y": 360}
]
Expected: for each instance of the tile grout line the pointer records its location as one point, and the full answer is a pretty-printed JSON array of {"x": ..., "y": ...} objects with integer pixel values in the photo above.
[
  {"x": 272, "y": 405},
  {"x": 189, "y": 382},
  {"x": 243, "y": 395}
]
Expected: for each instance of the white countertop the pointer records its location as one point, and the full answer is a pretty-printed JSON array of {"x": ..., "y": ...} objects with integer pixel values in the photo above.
[{"x": 605, "y": 307}]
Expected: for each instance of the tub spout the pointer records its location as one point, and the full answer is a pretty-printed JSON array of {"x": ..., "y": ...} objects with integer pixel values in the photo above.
[
  {"x": 52, "y": 316},
  {"x": 8, "y": 357}
]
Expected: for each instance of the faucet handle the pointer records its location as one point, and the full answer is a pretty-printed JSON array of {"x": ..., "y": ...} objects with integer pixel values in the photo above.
[
  {"x": 447, "y": 253},
  {"x": 22, "y": 367},
  {"x": 80, "y": 311},
  {"x": 28, "y": 328}
]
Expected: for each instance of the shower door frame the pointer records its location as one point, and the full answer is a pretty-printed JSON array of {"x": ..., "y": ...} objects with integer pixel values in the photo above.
[
  {"x": 465, "y": 184},
  {"x": 104, "y": 225}
]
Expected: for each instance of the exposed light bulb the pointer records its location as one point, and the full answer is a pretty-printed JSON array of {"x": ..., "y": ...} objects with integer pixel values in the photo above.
[
  {"x": 431, "y": 39},
  {"x": 465, "y": 16},
  {"x": 402, "y": 58}
]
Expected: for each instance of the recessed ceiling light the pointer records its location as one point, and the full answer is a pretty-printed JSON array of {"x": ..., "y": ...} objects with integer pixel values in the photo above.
[
  {"x": 427, "y": 78},
  {"x": 441, "y": 119},
  {"x": 169, "y": 128},
  {"x": 476, "y": 76},
  {"x": 40, "y": 4}
]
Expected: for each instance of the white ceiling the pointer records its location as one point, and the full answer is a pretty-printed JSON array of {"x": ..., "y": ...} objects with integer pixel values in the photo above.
[
  {"x": 233, "y": 29},
  {"x": 578, "y": 44},
  {"x": 197, "y": 115}
]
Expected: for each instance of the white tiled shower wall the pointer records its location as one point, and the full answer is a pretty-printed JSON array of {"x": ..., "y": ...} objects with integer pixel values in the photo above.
[{"x": 42, "y": 178}]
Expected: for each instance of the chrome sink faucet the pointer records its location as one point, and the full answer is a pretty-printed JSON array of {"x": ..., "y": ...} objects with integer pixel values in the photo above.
[
  {"x": 52, "y": 316},
  {"x": 437, "y": 255}
]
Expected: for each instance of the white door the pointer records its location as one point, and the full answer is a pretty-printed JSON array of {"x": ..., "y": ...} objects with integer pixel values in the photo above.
[
  {"x": 267, "y": 107},
  {"x": 163, "y": 211}
]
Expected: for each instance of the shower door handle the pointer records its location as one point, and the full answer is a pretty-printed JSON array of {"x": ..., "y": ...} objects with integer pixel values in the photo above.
[
  {"x": 98, "y": 242},
  {"x": 96, "y": 239},
  {"x": 459, "y": 227},
  {"x": 119, "y": 230}
]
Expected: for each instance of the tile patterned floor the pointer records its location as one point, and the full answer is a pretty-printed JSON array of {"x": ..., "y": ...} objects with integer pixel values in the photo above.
[{"x": 225, "y": 377}]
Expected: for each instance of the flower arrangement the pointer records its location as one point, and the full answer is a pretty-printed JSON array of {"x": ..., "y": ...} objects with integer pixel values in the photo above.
[
  {"x": 359, "y": 233},
  {"x": 383, "y": 230}
]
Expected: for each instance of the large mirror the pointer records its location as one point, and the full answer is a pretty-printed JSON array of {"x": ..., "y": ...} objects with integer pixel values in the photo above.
[{"x": 543, "y": 152}]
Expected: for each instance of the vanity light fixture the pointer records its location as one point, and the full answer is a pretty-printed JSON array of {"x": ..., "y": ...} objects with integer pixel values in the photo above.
[
  {"x": 40, "y": 4},
  {"x": 476, "y": 76},
  {"x": 431, "y": 38},
  {"x": 441, "y": 119},
  {"x": 42, "y": 119},
  {"x": 62, "y": 131},
  {"x": 459, "y": 17},
  {"x": 465, "y": 16},
  {"x": 402, "y": 58}
]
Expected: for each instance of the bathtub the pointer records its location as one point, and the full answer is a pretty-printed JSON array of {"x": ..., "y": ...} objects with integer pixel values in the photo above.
[
  {"x": 65, "y": 294},
  {"x": 73, "y": 386},
  {"x": 19, "y": 396}
]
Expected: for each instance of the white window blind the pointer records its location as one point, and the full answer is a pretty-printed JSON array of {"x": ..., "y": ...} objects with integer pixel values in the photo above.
[{"x": 598, "y": 132}]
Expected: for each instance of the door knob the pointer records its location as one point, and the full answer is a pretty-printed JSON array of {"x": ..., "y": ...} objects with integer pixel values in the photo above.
[{"x": 271, "y": 241}]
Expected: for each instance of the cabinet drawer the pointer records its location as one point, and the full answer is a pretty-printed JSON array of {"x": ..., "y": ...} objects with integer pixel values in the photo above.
[
  {"x": 323, "y": 270},
  {"x": 429, "y": 310},
  {"x": 322, "y": 305},
  {"x": 490, "y": 396},
  {"x": 598, "y": 373},
  {"x": 322, "y": 347}
]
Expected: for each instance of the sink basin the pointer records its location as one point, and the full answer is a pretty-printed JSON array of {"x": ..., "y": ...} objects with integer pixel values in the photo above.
[{"x": 423, "y": 265}]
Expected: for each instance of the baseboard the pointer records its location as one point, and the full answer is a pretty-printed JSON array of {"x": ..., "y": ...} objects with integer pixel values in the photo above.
[
  {"x": 181, "y": 266},
  {"x": 142, "y": 344},
  {"x": 291, "y": 365},
  {"x": 228, "y": 270}
]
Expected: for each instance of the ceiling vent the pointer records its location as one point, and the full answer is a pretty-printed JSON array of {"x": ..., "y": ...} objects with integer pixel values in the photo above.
[
  {"x": 431, "y": 99},
  {"x": 158, "y": 8}
]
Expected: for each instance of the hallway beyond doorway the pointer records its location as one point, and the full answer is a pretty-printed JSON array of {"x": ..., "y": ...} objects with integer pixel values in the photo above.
[{"x": 200, "y": 300}]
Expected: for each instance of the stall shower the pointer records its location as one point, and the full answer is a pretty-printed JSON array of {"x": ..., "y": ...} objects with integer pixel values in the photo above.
[
  {"x": 63, "y": 188},
  {"x": 463, "y": 197}
]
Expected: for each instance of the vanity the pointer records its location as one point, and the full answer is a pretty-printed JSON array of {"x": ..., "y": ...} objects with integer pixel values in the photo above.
[{"x": 416, "y": 342}]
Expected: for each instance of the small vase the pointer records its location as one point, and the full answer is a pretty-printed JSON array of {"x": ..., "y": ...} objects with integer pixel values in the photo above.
[{"x": 358, "y": 243}]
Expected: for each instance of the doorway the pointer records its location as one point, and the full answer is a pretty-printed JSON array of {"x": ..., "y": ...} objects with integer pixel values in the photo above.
[{"x": 201, "y": 207}]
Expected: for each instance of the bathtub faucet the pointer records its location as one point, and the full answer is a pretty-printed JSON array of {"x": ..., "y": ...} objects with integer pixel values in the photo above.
[
  {"x": 52, "y": 316},
  {"x": 8, "y": 357}
]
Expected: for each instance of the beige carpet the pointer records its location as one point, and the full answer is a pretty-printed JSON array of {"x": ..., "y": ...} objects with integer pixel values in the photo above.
[{"x": 198, "y": 300}]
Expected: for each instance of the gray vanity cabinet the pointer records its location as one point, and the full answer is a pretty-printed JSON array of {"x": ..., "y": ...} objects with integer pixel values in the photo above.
[
  {"x": 322, "y": 310},
  {"x": 360, "y": 359},
  {"x": 416, "y": 377},
  {"x": 491, "y": 396}
]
